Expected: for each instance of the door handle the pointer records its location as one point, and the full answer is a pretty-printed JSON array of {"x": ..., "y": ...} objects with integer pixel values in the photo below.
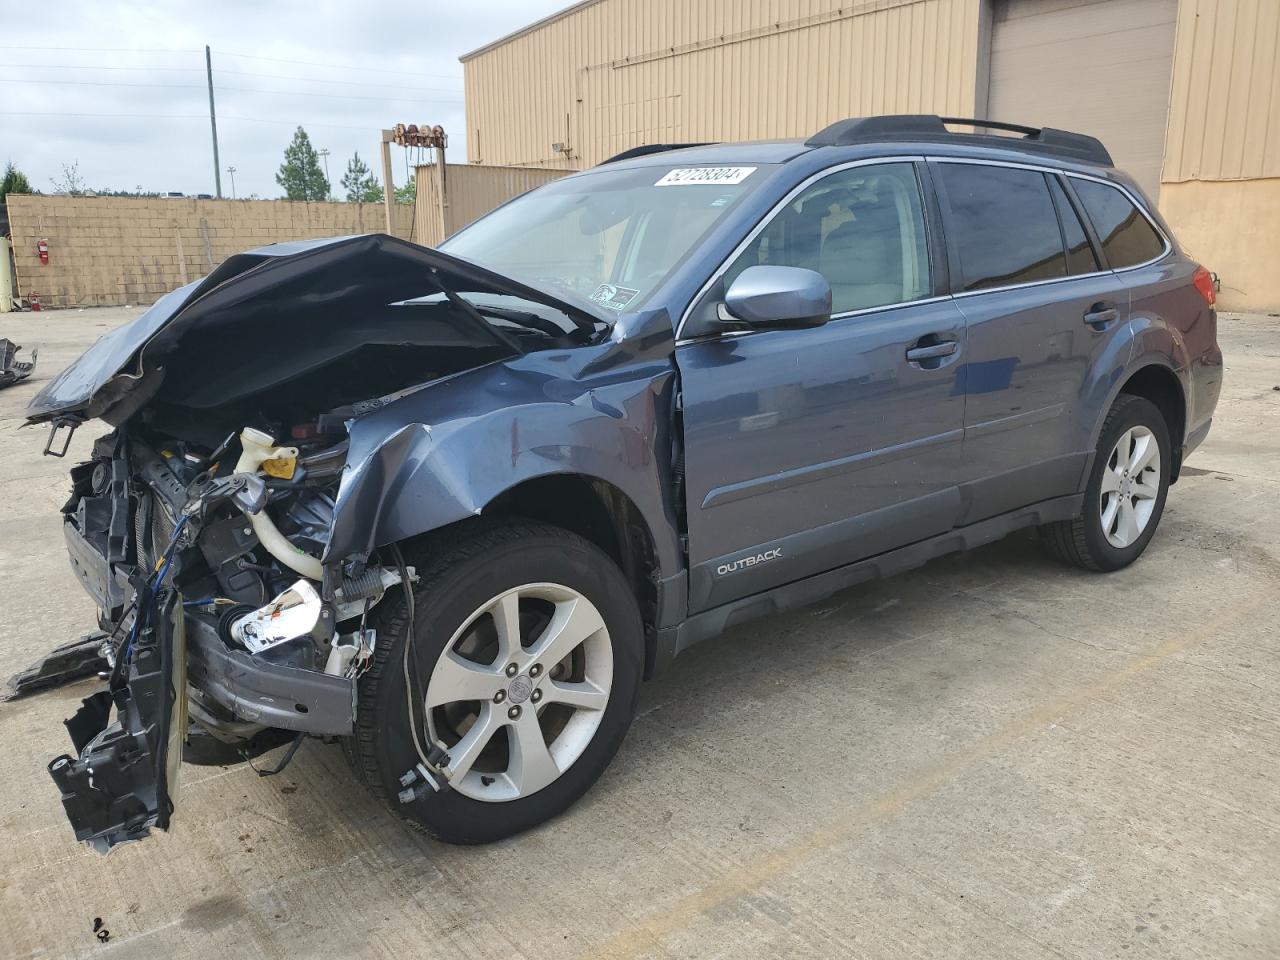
[
  {"x": 1100, "y": 315},
  {"x": 932, "y": 351}
]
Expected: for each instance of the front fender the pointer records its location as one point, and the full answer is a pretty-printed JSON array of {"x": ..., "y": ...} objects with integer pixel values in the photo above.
[{"x": 441, "y": 454}]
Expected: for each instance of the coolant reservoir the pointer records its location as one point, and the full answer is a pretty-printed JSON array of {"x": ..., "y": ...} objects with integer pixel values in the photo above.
[{"x": 258, "y": 448}]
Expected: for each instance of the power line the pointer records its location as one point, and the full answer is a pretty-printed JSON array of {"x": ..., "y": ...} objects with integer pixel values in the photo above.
[
  {"x": 243, "y": 56},
  {"x": 112, "y": 116},
  {"x": 104, "y": 83},
  {"x": 177, "y": 116},
  {"x": 340, "y": 96},
  {"x": 102, "y": 49},
  {"x": 333, "y": 66},
  {"x": 82, "y": 66},
  {"x": 346, "y": 83},
  {"x": 220, "y": 72},
  {"x": 195, "y": 86}
]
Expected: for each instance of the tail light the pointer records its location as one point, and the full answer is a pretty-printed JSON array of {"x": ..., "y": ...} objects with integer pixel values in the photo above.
[{"x": 1203, "y": 281}]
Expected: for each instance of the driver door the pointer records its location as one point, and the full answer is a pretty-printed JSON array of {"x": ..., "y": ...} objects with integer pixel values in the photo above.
[{"x": 809, "y": 449}]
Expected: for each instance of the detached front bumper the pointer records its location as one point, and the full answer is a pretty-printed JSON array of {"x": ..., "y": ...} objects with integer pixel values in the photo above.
[
  {"x": 129, "y": 738},
  {"x": 124, "y": 777}
]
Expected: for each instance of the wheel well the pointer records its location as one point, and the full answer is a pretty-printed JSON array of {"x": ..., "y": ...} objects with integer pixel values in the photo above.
[
  {"x": 599, "y": 512},
  {"x": 1160, "y": 386}
]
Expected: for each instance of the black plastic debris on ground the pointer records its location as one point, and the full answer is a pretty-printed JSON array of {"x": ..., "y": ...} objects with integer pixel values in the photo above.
[
  {"x": 82, "y": 658},
  {"x": 11, "y": 368}
]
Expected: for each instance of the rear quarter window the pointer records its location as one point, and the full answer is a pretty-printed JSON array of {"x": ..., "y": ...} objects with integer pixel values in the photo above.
[
  {"x": 1080, "y": 258},
  {"x": 1127, "y": 236}
]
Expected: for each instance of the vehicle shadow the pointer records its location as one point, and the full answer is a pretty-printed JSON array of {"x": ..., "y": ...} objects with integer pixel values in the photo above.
[{"x": 854, "y": 632}]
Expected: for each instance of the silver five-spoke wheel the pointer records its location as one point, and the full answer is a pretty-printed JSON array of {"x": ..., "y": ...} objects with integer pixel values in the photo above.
[
  {"x": 1130, "y": 486},
  {"x": 519, "y": 691}
]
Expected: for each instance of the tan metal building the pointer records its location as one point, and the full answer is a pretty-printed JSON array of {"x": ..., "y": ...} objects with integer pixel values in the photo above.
[{"x": 1185, "y": 93}]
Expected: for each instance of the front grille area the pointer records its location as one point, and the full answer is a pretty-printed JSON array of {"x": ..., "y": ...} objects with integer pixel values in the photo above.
[{"x": 152, "y": 528}]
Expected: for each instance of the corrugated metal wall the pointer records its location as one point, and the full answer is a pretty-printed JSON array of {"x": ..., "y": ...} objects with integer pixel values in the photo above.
[
  {"x": 471, "y": 191},
  {"x": 617, "y": 73},
  {"x": 1224, "y": 118}
]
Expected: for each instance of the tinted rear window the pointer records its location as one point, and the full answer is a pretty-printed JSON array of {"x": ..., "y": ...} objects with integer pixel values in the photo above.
[
  {"x": 1004, "y": 223},
  {"x": 1127, "y": 237}
]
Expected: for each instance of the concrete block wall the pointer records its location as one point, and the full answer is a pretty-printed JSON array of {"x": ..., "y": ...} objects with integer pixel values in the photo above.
[{"x": 110, "y": 251}]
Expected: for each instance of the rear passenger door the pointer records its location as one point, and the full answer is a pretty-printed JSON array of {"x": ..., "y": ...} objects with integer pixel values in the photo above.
[{"x": 1041, "y": 313}]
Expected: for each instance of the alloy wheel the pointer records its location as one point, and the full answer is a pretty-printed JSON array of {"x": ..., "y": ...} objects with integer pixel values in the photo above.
[
  {"x": 519, "y": 691},
  {"x": 1130, "y": 486}
]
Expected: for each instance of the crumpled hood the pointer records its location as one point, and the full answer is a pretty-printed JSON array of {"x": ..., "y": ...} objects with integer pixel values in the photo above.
[{"x": 297, "y": 278}]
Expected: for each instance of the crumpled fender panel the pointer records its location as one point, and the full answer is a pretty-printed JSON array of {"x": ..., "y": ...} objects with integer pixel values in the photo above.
[{"x": 442, "y": 453}]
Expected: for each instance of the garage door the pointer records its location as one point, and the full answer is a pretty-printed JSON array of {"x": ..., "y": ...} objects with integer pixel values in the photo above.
[{"x": 1100, "y": 67}]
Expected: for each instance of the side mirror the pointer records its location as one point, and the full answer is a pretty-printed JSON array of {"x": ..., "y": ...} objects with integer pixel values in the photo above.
[{"x": 773, "y": 297}]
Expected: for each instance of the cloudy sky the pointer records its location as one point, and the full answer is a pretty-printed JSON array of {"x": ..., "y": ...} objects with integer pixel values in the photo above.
[{"x": 119, "y": 87}]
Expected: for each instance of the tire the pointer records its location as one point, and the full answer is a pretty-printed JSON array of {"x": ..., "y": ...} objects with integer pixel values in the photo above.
[
  {"x": 1097, "y": 539},
  {"x": 460, "y": 575}
]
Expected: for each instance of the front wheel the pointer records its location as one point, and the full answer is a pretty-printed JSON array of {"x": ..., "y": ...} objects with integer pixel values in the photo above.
[
  {"x": 1125, "y": 496},
  {"x": 525, "y": 665}
]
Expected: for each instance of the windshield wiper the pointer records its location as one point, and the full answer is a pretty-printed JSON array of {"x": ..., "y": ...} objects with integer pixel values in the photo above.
[
  {"x": 524, "y": 318},
  {"x": 527, "y": 318},
  {"x": 465, "y": 306}
]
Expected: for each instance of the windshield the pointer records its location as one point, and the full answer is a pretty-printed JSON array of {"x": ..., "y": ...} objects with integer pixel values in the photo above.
[{"x": 609, "y": 237}]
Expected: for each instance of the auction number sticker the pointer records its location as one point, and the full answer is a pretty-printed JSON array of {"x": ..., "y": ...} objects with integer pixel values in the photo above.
[
  {"x": 614, "y": 297},
  {"x": 698, "y": 176}
]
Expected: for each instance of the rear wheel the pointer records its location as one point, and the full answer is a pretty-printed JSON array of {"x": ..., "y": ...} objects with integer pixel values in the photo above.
[
  {"x": 1125, "y": 496},
  {"x": 527, "y": 643}
]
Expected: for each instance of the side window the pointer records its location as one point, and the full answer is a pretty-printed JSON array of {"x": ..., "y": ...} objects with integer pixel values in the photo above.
[
  {"x": 1126, "y": 235},
  {"x": 1004, "y": 225},
  {"x": 1080, "y": 258},
  {"x": 861, "y": 228}
]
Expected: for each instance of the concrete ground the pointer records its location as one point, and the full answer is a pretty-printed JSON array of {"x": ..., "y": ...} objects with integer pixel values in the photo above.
[{"x": 995, "y": 756}]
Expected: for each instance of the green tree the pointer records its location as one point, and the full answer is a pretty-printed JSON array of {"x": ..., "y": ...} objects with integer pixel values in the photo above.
[
  {"x": 15, "y": 181},
  {"x": 408, "y": 193},
  {"x": 360, "y": 183},
  {"x": 301, "y": 174}
]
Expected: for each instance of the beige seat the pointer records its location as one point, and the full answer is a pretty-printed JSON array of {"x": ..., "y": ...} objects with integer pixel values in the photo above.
[{"x": 862, "y": 258}]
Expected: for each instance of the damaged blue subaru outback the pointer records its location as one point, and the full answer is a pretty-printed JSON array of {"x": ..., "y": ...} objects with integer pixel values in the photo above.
[{"x": 450, "y": 507}]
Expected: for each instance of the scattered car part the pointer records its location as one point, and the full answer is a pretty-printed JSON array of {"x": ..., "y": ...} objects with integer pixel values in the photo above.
[
  {"x": 125, "y": 776},
  {"x": 86, "y": 657},
  {"x": 202, "y": 749},
  {"x": 11, "y": 368},
  {"x": 295, "y": 613}
]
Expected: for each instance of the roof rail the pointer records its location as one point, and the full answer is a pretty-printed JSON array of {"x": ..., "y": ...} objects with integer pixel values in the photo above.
[
  {"x": 645, "y": 149},
  {"x": 930, "y": 127}
]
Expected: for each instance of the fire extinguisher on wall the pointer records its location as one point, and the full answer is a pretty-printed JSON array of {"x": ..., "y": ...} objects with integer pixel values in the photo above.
[{"x": 42, "y": 248}]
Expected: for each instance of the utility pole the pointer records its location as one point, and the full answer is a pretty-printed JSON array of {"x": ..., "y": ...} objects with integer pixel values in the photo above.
[
  {"x": 388, "y": 187},
  {"x": 324, "y": 155},
  {"x": 232, "y": 171},
  {"x": 213, "y": 122}
]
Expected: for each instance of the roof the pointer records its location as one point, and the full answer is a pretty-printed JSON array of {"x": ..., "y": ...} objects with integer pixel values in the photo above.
[
  {"x": 888, "y": 132},
  {"x": 529, "y": 28}
]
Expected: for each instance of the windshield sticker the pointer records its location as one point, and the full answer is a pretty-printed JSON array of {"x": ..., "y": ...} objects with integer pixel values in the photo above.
[
  {"x": 701, "y": 176},
  {"x": 613, "y": 297}
]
